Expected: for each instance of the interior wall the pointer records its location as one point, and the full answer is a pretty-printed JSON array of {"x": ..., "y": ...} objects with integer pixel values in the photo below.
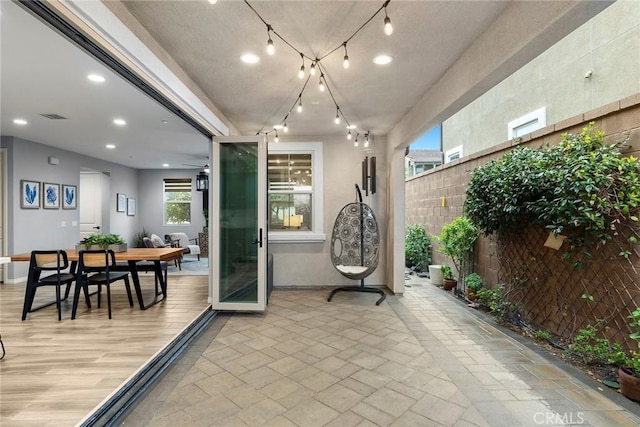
[
  {"x": 151, "y": 202},
  {"x": 309, "y": 264},
  {"x": 29, "y": 229}
]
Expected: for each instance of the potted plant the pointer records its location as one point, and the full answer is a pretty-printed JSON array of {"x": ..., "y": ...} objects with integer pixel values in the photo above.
[
  {"x": 457, "y": 240},
  {"x": 102, "y": 241},
  {"x": 448, "y": 282},
  {"x": 629, "y": 372},
  {"x": 417, "y": 247},
  {"x": 473, "y": 283}
]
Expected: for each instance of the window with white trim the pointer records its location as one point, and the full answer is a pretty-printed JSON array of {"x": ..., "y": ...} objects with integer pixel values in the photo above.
[
  {"x": 453, "y": 154},
  {"x": 295, "y": 207},
  {"x": 528, "y": 123},
  {"x": 177, "y": 201}
]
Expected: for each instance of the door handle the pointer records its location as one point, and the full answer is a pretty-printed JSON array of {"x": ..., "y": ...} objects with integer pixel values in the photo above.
[
  {"x": 97, "y": 227},
  {"x": 258, "y": 241}
]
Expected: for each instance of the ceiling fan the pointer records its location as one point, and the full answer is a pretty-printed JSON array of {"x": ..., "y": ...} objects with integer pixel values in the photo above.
[{"x": 205, "y": 167}]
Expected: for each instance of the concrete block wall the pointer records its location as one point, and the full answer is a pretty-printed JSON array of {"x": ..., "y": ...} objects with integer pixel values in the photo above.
[{"x": 424, "y": 192}]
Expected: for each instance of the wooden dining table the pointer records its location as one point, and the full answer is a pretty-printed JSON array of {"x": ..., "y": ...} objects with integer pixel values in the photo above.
[{"x": 132, "y": 256}]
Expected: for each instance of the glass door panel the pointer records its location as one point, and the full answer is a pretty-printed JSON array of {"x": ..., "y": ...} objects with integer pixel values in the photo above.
[{"x": 239, "y": 199}]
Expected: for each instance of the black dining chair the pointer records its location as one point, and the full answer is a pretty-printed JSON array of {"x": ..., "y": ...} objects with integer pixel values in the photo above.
[
  {"x": 47, "y": 261},
  {"x": 95, "y": 267}
]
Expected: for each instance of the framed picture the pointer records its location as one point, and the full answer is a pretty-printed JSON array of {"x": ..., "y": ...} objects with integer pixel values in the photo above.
[
  {"x": 121, "y": 204},
  {"x": 69, "y": 196},
  {"x": 50, "y": 195},
  {"x": 29, "y": 194},
  {"x": 131, "y": 207}
]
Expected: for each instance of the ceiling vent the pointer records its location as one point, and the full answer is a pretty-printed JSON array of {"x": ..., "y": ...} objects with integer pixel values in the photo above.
[{"x": 53, "y": 116}]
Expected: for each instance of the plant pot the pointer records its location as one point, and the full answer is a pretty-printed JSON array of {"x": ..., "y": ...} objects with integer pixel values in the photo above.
[
  {"x": 629, "y": 384},
  {"x": 471, "y": 294},
  {"x": 448, "y": 284},
  {"x": 115, "y": 248},
  {"x": 435, "y": 275}
]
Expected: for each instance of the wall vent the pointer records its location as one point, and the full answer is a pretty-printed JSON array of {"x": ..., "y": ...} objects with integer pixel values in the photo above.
[{"x": 53, "y": 116}]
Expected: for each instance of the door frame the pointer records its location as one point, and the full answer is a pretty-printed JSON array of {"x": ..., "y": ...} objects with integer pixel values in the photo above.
[{"x": 214, "y": 229}]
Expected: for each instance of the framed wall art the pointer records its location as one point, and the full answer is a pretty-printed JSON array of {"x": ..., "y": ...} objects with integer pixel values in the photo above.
[
  {"x": 121, "y": 203},
  {"x": 69, "y": 196},
  {"x": 29, "y": 194},
  {"x": 50, "y": 195},
  {"x": 131, "y": 207}
]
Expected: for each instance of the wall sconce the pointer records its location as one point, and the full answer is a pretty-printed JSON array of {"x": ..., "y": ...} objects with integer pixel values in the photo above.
[
  {"x": 202, "y": 181},
  {"x": 292, "y": 221}
]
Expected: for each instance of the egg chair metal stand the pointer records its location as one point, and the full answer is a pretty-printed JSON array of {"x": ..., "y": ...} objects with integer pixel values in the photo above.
[{"x": 355, "y": 244}]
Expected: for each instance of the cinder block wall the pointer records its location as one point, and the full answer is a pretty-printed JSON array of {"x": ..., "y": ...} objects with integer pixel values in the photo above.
[{"x": 436, "y": 197}]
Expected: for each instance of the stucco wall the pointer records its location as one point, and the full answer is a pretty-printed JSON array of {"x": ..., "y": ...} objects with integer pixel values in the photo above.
[
  {"x": 424, "y": 191},
  {"x": 608, "y": 45}
]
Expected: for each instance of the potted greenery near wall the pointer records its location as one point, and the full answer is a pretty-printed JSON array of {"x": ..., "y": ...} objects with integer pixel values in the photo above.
[
  {"x": 102, "y": 241},
  {"x": 448, "y": 282},
  {"x": 473, "y": 283},
  {"x": 417, "y": 247},
  {"x": 629, "y": 372},
  {"x": 457, "y": 240}
]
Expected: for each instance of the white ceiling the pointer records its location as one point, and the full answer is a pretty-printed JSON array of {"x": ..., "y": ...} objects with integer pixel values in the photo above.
[{"x": 44, "y": 73}]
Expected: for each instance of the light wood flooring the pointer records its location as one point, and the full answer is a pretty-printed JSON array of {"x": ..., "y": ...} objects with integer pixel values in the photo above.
[{"x": 55, "y": 373}]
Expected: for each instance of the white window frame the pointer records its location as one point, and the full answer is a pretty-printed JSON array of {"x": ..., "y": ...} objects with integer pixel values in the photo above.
[
  {"x": 533, "y": 121},
  {"x": 164, "y": 203},
  {"x": 316, "y": 234},
  {"x": 448, "y": 156}
]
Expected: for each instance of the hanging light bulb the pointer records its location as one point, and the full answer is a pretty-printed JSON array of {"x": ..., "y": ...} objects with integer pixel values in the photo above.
[
  {"x": 366, "y": 139},
  {"x": 312, "y": 71},
  {"x": 337, "y": 120},
  {"x": 299, "y": 104},
  {"x": 276, "y": 138},
  {"x": 388, "y": 28},
  {"x": 301, "y": 72},
  {"x": 321, "y": 84},
  {"x": 285, "y": 128},
  {"x": 345, "y": 62},
  {"x": 355, "y": 143},
  {"x": 270, "y": 48},
  {"x": 349, "y": 135}
]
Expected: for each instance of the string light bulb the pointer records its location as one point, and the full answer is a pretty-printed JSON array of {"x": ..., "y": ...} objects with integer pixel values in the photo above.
[
  {"x": 345, "y": 62},
  {"x": 337, "y": 120},
  {"x": 285, "y": 128},
  {"x": 299, "y": 108},
  {"x": 355, "y": 143},
  {"x": 312, "y": 71},
  {"x": 388, "y": 28},
  {"x": 270, "y": 48},
  {"x": 321, "y": 83},
  {"x": 301, "y": 72},
  {"x": 276, "y": 139},
  {"x": 366, "y": 139},
  {"x": 349, "y": 135}
]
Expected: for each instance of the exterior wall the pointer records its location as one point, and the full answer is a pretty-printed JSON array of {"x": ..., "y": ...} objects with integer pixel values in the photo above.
[
  {"x": 309, "y": 264},
  {"x": 29, "y": 229},
  {"x": 608, "y": 45},
  {"x": 424, "y": 192}
]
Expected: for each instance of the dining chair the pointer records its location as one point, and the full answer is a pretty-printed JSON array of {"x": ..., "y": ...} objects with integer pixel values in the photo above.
[
  {"x": 47, "y": 261},
  {"x": 95, "y": 267}
]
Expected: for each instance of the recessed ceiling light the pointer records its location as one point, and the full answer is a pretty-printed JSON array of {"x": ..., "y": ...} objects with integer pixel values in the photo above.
[
  {"x": 119, "y": 122},
  {"x": 110, "y": 146},
  {"x": 382, "y": 59},
  {"x": 20, "y": 121},
  {"x": 164, "y": 121},
  {"x": 95, "y": 78},
  {"x": 165, "y": 165},
  {"x": 250, "y": 58}
]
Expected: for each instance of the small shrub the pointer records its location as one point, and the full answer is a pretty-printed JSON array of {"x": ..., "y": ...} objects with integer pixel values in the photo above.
[
  {"x": 446, "y": 272},
  {"x": 592, "y": 349},
  {"x": 474, "y": 282},
  {"x": 495, "y": 300},
  {"x": 417, "y": 247},
  {"x": 542, "y": 335}
]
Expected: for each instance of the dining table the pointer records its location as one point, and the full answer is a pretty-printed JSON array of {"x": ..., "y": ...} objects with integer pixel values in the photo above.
[{"x": 132, "y": 256}]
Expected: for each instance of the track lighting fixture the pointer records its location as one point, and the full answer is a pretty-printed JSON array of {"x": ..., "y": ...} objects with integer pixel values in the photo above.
[
  {"x": 388, "y": 28},
  {"x": 270, "y": 48},
  {"x": 301, "y": 72},
  {"x": 321, "y": 83},
  {"x": 345, "y": 62},
  {"x": 312, "y": 71}
]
